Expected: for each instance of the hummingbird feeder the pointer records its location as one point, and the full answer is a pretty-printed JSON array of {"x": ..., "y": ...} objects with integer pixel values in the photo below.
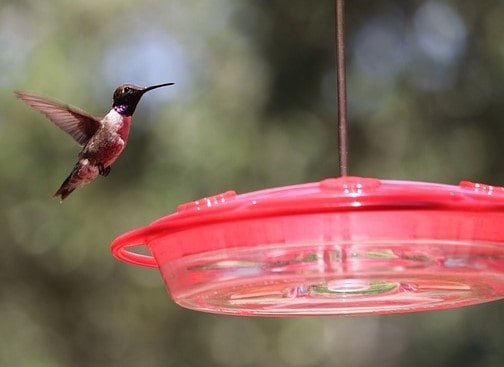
[{"x": 341, "y": 246}]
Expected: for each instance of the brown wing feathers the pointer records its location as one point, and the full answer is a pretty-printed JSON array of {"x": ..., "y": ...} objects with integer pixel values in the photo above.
[{"x": 80, "y": 125}]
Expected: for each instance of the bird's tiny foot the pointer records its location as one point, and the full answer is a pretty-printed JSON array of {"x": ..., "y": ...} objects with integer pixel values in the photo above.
[{"x": 104, "y": 171}]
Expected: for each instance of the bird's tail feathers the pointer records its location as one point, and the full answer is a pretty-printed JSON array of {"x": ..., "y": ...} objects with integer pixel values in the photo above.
[
  {"x": 65, "y": 189},
  {"x": 83, "y": 173}
]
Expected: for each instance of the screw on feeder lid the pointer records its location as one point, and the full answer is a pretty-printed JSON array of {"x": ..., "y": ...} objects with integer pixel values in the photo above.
[
  {"x": 340, "y": 246},
  {"x": 349, "y": 185}
]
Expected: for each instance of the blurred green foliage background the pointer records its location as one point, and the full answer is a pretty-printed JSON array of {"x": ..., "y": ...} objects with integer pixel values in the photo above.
[{"x": 253, "y": 107}]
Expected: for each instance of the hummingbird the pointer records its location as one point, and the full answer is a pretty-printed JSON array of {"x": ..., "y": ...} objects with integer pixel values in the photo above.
[{"x": 102, "y": 139}]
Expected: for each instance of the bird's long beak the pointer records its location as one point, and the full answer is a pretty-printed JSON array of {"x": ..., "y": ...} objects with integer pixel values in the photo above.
[{"x": 156, "y": 86}]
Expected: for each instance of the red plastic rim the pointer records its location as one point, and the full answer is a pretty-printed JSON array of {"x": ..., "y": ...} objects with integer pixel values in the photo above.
[{"x": 340, "y": 246}]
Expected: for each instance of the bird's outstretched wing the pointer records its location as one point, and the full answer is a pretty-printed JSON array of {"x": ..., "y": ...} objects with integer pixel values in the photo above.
[{"x": 80, "y": 125}]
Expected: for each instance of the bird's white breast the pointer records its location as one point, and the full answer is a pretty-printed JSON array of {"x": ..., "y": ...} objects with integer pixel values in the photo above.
[{"x": 113, "y": 121}]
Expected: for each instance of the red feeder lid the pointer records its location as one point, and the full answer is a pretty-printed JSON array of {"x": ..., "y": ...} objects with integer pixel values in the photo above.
[{"x": 345, "y": 245}]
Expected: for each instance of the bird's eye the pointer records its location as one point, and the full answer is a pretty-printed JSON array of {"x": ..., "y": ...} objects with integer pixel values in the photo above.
[{"x": 126, "y": 89}]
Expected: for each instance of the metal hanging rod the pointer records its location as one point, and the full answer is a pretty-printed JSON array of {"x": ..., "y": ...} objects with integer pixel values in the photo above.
[{"x": 339, "y": 26}]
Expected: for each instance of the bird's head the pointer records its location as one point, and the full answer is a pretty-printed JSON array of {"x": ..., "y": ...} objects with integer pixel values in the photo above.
[{"x": 127, "y": 96}]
